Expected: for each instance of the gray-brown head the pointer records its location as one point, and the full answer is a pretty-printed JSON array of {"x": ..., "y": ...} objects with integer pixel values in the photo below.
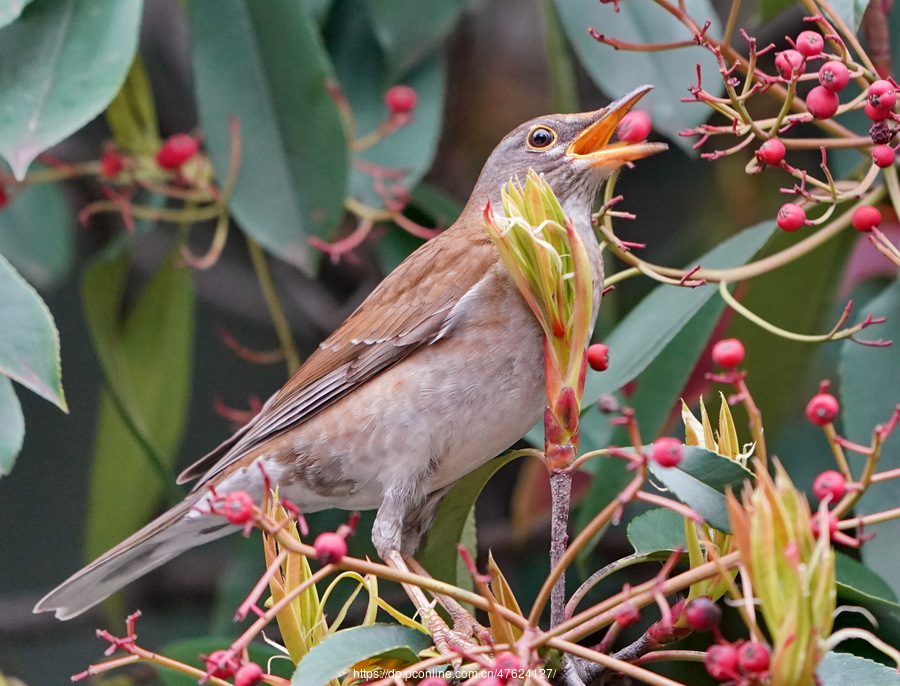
[{"x": 572, "y": 151}]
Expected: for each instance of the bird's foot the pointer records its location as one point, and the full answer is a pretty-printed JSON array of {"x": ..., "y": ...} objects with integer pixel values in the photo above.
[{"x": 457, "y": 640}]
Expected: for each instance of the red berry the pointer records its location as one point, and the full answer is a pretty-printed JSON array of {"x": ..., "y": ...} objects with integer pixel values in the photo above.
[
  {"x": 238, "y": 507},
  {"x": 865, "y": 218},
  {"x": 816, "y": 520},
  {"x": 400, "y": 99},
  {"x": 721, "y": 661},
  {"x": 222, "y": 664},
  {"x": 791, "y": 217},
  {"x": 834, "y": 76},
  {"x": 248, "y": 675},
  {"x": 728, "y": 353},
  {"x": 507, "y": 666},
  {"x": 634, "y": 127},
  {"x": 598, "y": 357},
  {"x": 627, "y": 615},
  {"x": 822, "y": 103},
  {"x": 330, "y": 547},
  {"x": 822, "y": 409},
  {"x": 177, "y": 150},
  {"x": 876, "y": 114},
  {"x": 703, "y": 614},
  {"x": 810, "y": 43},
  {"x": 4, "y": 198},
  {"x": 830, "y": 484},
  {"x": 882, "y": 95},
  {"x": 883, "y": 155},
  {"x": 771, "y": 152},
  {"x": 667, "y": 452},
  {"x": 789, "y": 61},
  {"x": 753, "y": 657},
  {"x": 111, "y": 164}
]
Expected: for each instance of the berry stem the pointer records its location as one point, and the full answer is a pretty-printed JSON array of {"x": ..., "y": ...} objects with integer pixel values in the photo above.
[
  {"x": 755, "y": 416},
  {"x": 276, "y": 311}
]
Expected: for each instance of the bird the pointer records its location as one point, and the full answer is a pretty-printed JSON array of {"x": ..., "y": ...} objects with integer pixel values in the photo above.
[{"x": 439, "y": 370}]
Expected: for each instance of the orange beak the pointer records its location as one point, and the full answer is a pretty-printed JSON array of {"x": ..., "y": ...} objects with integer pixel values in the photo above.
[{"x": 593, "y": 143}]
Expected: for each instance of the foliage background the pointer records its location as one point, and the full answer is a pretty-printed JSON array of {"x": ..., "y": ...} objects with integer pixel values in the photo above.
[{"x": 480, "y": 68}]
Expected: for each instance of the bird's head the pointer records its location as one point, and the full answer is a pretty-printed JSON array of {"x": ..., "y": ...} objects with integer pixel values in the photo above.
[{"x": 572, "y": 151}]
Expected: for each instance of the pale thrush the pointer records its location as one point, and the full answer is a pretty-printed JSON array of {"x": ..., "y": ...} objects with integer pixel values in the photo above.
[{"x": 439, "y": 370}]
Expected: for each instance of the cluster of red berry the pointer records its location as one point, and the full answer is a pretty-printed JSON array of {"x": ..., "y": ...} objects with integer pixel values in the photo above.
[{"x": 823, "y": 102}]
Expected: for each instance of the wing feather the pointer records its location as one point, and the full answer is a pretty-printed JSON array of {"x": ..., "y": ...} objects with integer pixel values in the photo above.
[{"x": 411, "y": 308}]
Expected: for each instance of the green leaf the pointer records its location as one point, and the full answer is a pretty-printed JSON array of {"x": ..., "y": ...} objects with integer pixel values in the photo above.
[
  {"x": 671, "y": 71},
  {"x": 839, "y": 669},
  {"x": 10, "y": 10},
  {"x": 408, "y": 37},
  {"x": 657, "y": 319},
  {"x": 701, "y": 481},
  {"x": 36, "y": 234},
  {"x": 132, "y": 114},
  {"x": 340, "y": 651},
  {"x": 869, "y": 392},
  {"x": 189, "y": 650},
  {"x": 146, "y": 359},
  {"x": 800, "y": 297},
  {"x": 855, "y": 576},
  {"x": 857, "y": 585},
  {"x": 438, "y": 554},
  {"x": 270, "y": 72},
  {"x": 63, "y": 62},
  {"x": 363, "y": 75},
  {"x": 658, "y": 386},
  {"x": 850, "y": 11},
  {"x": 29, "y": 342},
  {"x": 12, "y": 426},
  {"x": 659, "y": 530}
]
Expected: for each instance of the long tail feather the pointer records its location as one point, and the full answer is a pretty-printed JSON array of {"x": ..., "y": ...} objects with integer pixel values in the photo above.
[{"x": 166, "y": 537}]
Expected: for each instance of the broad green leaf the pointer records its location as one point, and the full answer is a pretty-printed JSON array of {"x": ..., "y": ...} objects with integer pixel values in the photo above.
[
  {"x": 659, "y": 530},
  {"x": 63, "y": 62},
  {"x": 855, "y": 576},
  {"x": 12, "y": 426},
  {"x": 857, "y": 585},
  {"x": 799, "y": 297},
  {"x": 670, "y": 71},
  {"x": 269, "y": 72},
  {"x": 409, "y": 36},
  {"x": 869, "y": 392},
  {"x": 438, "y": 554},
  {"x": 340, "y": 651},
  {"x": 36, "y": 234},
  {"x": 850, "y": 11},
  {"x": 841, "y": 669},
  {"x": 701, "y": 482},
  {"x": 146, "y": 359},
  {"x": 657, "y": 319},
  {"x": 189, "y": 650},
  {"x": 29, "y": 342},
  {"x": 10, "y": 10},
  {"x": 363, "y": 75},
  {"x": 659, "y": 385}
]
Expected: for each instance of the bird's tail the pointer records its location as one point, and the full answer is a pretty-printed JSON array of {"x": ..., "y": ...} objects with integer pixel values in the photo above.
[{"x": 169, "y": 535}]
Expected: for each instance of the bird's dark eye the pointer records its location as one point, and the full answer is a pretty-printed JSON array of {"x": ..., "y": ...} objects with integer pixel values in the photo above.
[{"x": 540, "y": 137}]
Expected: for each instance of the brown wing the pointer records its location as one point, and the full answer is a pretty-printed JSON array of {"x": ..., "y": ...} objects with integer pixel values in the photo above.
[{"x": 411, "y": 308}]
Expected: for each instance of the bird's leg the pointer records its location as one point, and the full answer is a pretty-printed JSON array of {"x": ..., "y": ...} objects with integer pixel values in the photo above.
[
  {"x": 443, "y": 635},
  {"x": 463, "y": 621}
]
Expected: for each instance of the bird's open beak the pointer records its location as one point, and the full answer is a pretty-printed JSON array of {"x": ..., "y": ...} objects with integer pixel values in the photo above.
[{"x": 593, "y": 143}]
